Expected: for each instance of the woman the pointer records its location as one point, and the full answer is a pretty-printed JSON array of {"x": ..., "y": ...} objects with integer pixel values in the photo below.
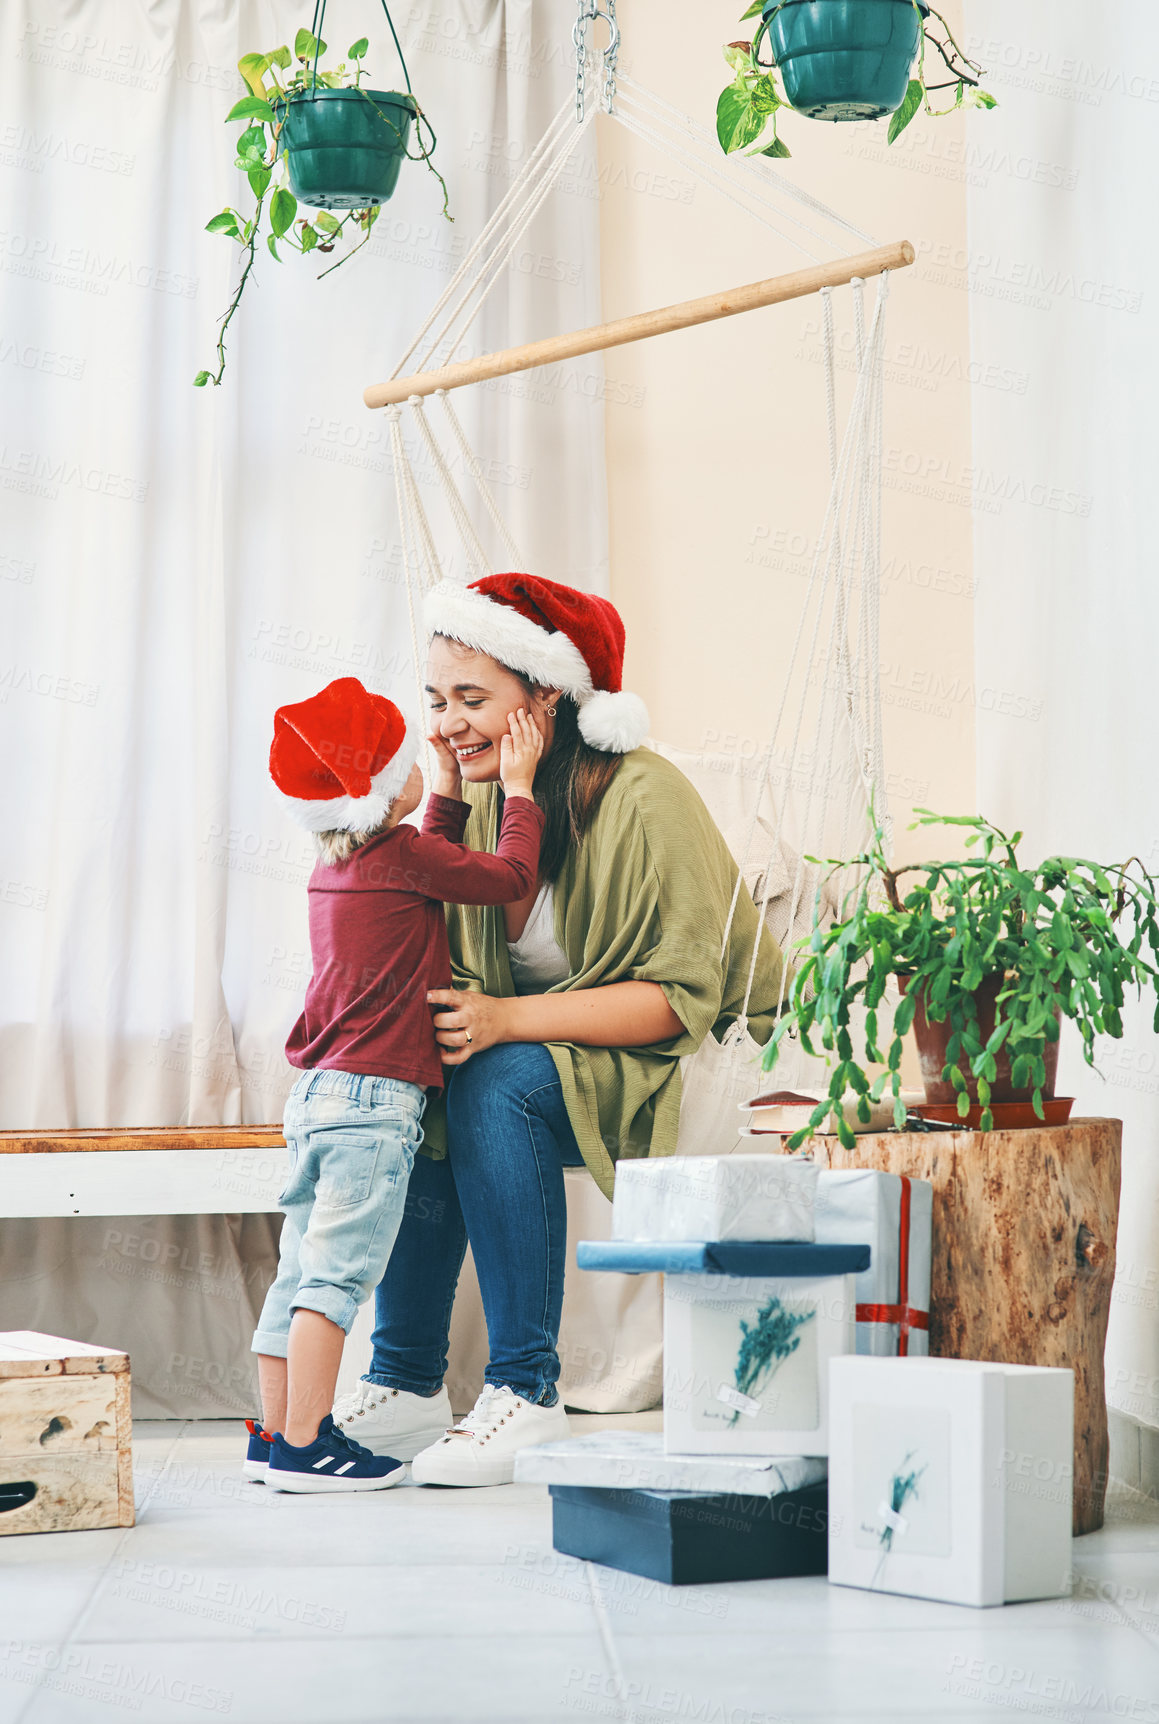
[{"x": 570, "y": 1013}]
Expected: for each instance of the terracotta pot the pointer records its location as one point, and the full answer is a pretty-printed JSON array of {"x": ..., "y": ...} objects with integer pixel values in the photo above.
[{"x": 932, "y": 1038}]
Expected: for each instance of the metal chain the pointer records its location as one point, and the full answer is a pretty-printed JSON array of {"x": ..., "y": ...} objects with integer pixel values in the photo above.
[
  {"x": 588, "y": 11},
  {"x": 611, "y": 55},
  {"x": 579, "y": 37}
]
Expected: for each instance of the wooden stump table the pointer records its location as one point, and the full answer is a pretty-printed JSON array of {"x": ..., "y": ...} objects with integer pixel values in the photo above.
[{"x": 1023, "y": 1256}]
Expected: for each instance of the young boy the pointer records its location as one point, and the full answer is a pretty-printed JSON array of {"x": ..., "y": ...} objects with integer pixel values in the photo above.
[{"x": 344, "y": 761}]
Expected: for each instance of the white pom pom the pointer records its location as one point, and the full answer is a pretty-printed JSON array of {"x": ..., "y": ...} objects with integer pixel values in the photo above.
[{"x": 617, "y": 723}]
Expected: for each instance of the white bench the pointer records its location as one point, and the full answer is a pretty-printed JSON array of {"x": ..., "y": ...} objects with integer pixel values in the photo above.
[{"x": 227, "y": 1170}]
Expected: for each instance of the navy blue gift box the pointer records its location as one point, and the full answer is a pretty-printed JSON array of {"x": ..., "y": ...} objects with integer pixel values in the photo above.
[{"x": 684, "y": 1538}]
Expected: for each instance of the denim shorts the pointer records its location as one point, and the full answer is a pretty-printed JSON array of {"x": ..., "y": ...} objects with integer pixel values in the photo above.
[{"x": 352, "y": 1143}]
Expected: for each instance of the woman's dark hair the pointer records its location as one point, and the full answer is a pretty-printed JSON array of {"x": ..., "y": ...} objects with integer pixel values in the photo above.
[{"x": 569, "y": 784}]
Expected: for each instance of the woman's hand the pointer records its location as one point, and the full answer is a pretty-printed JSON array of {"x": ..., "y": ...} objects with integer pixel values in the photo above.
[
  {"x": 448, "y": 779},
  {"x": 467, "y": 1023}
]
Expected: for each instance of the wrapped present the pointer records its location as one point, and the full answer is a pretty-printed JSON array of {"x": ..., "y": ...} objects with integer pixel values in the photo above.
[
  {"x": 894, "y": 1215},
  {"x": 951, "y": 1478},
  {"x": 716, "y": 1197},
  {"x": 749, "y": 1328},
  {"x": 681, "y": 1538},
  {"x": 637, "y": 1461}
]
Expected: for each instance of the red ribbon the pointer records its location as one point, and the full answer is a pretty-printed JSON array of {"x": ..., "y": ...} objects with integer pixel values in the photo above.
[{"x": 901, "y": 1313}]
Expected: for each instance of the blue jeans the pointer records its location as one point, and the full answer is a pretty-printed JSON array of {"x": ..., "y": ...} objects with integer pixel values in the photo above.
[
  {"x": 501, "y": 1186},
  {"x": 352, "y": 1140}
]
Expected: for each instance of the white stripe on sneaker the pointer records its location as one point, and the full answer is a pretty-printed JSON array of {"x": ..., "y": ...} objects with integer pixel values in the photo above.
[
  {"x": 344, "y": 1468},
  {"x": 324, "y": 1462}
]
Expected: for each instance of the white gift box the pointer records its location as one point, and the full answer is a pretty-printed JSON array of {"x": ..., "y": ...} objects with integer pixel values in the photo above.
[
  {"x": 715, "y": 1197},
  {"x": 951, "y": 1479},
  {"x": 746, "y": 1362},
  {"x": 636, "y": 1461},
  {"x": 894, "y": 1215}
]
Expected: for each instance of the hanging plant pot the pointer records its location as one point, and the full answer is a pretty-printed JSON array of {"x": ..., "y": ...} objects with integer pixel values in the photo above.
[
  {"x": 344, "y": 147},
  {"x": 844, "y": 59}
]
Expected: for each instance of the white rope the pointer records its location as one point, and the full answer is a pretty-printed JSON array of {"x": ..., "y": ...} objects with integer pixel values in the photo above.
[
  {"x": 844, "y": 499},
  {"x": 476, "y": 555},
  {"x": 758, "y": 169},
  {"x": 404, "y": 486},
  {"x": 558, "y": 125},
  {"x": 633, "y": 120},
  {"x": 476, "y": 283},
  {"x": 484, "y": 490}
]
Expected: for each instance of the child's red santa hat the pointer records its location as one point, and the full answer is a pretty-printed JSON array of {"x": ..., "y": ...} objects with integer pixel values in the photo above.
[
  {"x": 556, "y": 636},
  {"x": 341, "y": 757}
]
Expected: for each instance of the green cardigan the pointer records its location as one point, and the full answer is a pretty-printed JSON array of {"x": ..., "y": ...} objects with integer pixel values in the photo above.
[{"x": 643, "y": 898}]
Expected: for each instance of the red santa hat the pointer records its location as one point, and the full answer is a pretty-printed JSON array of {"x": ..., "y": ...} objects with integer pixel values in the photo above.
[
  {"x": 556, "y": 636},
  {"x": 340, "y": 758}
]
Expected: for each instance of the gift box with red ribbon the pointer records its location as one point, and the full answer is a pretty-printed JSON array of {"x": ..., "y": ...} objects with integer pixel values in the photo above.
[{"x": 892, "y": 1214}]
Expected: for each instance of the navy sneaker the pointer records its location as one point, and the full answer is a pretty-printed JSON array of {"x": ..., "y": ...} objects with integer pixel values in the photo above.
[
  {"x": 257, "y": 1457},
  {"x": 332, "y": 1462}
]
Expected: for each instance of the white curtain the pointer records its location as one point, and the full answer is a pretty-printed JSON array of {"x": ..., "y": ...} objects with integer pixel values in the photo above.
[
  {"x": 1061, "y": 266},
  {"x": 175, "y": 563},
  {"x": 178, "y": 562}
]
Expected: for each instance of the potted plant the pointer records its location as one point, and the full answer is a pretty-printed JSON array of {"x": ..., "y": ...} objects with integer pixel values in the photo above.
[
  {"x": 990, "y": 955},
  {"x": 334, "y": 145},
  {"x": 840, "y": 60}
]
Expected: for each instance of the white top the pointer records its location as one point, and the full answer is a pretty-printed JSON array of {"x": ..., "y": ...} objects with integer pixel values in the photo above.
[{"x": 537, "y": 959}]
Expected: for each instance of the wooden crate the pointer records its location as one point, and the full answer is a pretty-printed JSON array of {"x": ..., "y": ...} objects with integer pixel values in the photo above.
[{"x": 65, "y": 1435}]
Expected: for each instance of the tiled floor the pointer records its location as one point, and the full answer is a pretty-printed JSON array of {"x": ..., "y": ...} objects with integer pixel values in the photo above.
[{"x": 231, "y": 1600}]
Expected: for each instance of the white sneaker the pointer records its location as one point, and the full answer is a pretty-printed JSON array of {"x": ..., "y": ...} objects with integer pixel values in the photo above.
[
  {"x": 481, "y": 1448},
  {"x": 392, "y": 1421}
]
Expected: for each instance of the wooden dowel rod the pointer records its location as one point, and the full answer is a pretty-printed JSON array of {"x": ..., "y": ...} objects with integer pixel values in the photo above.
[{"x": 644, "y": 323}]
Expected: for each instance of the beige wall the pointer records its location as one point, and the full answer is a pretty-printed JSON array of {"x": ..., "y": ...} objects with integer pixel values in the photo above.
[{"x": 718, "y": 471}]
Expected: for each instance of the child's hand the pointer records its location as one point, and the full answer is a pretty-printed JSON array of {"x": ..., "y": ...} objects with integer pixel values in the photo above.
[
  {"x": 519, "y": 753},
  {"x": 448, "y": 779}
]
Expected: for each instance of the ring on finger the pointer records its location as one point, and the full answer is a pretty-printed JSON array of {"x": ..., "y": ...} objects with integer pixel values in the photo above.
[{"x": 467, "y": 1033}]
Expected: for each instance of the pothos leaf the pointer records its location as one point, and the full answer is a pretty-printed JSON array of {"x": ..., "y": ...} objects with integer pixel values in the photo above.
[
  {"x": 357, "y": 49},
  {"x": 900, "y": 119},
  {"x": 754, "y": 10},
  {"x": 226, "y": 222},
  {"x": 765, "y": 96},
  {"x": 738, "y": 57},
  {"x": 259, "y": 179},
  {"x": 736, "y": 122},
  {"x": 252, "y": 67},
  {"x": 976, "y": 98},
  {"x": 776, "y": 148},
  {"x": 283, "y": 209},
  {"x": 306, "y": 45},
  {"x": 251, "y": 108},
  {"x": 279, "y": 56}
]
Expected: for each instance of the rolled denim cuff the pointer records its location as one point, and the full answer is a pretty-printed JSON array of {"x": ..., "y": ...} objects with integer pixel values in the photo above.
[
  {"x": 269, "y": 1341},
  {"x": 329, "y": 1302}
]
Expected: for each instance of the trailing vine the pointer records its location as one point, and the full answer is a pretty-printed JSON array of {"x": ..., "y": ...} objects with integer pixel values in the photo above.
[{"x": 273, "y": 80}]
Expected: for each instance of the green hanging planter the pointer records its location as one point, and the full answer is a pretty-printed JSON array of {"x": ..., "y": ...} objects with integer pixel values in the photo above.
[
  {"x": 344, "y": 147},
  {"x": 844, "y": 59}
]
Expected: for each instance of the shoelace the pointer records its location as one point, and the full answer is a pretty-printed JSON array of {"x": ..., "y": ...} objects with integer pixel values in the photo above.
[
  {"x": 483, "y": 1416},
  {"x": 364, "y": 1399}
]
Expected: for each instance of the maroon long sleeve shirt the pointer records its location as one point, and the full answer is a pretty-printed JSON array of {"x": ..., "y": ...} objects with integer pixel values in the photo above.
[{"x": 378, "y": 938}]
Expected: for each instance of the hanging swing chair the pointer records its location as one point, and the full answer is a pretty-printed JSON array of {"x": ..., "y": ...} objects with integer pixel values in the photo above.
[{"x": 824, "y": 755}]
